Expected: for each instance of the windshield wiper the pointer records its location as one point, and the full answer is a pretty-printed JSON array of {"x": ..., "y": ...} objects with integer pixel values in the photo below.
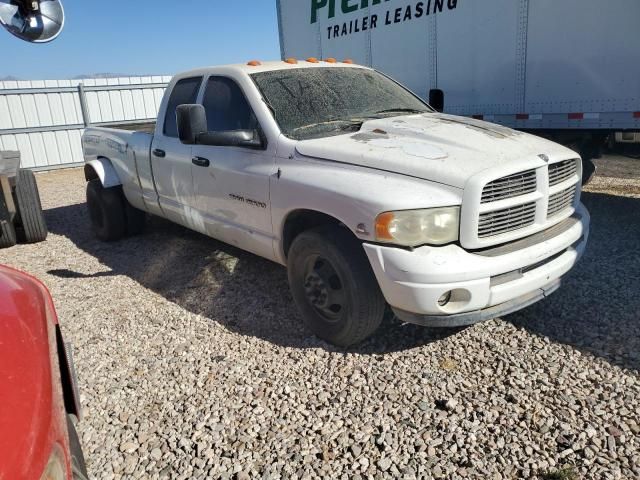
[
  {"x": 347, "y": 125},
  {"x": 407, "y": 110}
]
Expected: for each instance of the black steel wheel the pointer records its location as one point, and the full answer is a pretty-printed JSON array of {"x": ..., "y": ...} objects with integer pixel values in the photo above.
[
  {"x": 333, "y": 285},
  {"x": 324, "y": 288}
]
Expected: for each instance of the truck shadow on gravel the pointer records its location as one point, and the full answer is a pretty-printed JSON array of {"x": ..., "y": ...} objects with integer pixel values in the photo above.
[
  {"x": 597, "y": 310},
  {"x": 241, "y": 291}
]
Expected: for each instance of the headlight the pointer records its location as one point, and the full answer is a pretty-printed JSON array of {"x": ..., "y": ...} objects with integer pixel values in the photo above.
[
  {"x": 55, "y": 469},
  {"x": 435, "y": 226}
]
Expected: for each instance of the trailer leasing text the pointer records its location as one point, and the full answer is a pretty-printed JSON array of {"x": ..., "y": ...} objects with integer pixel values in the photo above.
[{"x": 390, "y": 17}]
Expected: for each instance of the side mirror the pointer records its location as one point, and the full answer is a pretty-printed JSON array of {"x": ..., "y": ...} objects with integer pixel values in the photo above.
[
  {"x": 436, "y": 99},
  {"x": 36, "y": 21},
  {"x": 232, "y": 138},
  {"x": 191, "y": 120}
]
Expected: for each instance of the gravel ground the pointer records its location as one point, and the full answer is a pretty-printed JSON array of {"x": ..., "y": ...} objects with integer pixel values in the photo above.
[{"x": 193, "y": 363}]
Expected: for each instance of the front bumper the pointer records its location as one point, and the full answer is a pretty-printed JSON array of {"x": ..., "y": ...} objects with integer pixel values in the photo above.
[{"x": 484, "y": 284}]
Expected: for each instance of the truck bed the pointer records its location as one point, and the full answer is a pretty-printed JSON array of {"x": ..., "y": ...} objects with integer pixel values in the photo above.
[{"x": 147, "y": 126}]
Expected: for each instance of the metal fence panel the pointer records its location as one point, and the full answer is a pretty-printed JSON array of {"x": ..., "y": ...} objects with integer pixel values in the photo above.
[{"x": 44, "y": 119}]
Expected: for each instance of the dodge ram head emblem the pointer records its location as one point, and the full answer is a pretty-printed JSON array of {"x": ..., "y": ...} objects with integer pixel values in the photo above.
[{"x": 544, "y": 157}]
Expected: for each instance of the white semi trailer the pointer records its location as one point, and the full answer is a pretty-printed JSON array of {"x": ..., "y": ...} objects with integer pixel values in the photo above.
[{"x": 565, "y": 69}]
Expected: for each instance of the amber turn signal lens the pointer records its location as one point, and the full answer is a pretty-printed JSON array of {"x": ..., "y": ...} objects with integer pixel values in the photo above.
[{"x": 382, "y": 226}]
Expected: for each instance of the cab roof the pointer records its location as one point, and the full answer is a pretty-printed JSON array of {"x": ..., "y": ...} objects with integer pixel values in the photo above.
[{"x": 269, "y": 67}]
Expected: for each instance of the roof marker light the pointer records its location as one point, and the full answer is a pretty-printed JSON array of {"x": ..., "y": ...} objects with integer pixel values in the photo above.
[
  {"x": 330, "y": 60},
  {"x": 291, "y": 61},
  {"x": 254, "y": 63},
  {"x": 347, "y": 60},
  {"x": 312, "y": 60}
]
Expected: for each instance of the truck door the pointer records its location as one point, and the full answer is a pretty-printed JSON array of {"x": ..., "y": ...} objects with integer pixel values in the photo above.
[
  {"x": 231, "y": 184},
  {"x": 171, "y": 159}
]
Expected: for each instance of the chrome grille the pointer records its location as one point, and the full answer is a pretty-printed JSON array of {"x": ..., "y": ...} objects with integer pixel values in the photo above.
[
  {"x": 561, "y": 171},
  {"x": 561, "y": 201},
  {"x": 523, "y": 203},
  {"x": 509, "y": 187},
  {"x": 506, "y": 220}
]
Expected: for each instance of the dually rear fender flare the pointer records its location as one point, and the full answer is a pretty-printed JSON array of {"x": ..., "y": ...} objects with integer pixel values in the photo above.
[{"x": 101, "y": 168}]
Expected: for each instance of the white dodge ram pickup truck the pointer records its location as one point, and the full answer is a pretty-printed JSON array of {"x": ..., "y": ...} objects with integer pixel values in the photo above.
[{"x": 368, "y": 196}]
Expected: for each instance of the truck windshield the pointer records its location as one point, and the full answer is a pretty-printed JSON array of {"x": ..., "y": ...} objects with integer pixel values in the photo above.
[{"x": 320, "y": 102}]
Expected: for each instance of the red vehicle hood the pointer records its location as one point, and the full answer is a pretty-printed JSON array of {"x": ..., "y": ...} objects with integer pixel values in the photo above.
[{"x": 32, "y": 415}]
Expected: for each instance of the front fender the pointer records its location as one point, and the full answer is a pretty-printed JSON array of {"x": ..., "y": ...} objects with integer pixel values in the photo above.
[
  {"x": 353, "y": 195},
  {"x": 103, "y": 169}
]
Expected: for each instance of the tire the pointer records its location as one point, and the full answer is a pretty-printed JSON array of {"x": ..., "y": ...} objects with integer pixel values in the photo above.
[
  {"x": 136, "y": 219},
  {"x": 588, "y": 167},
  {"x": 107, "y": 211},
  {"x": 32, "y": 227},
  {"x": 78, "y": 464},
  {"x": 333, "y": 286},
  {"x": 588, "y": 171},
  {"x": 7, "y": 234}
]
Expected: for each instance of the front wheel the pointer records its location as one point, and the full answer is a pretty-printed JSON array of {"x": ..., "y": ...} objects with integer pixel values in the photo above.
[{"x": 333, "y": 285}]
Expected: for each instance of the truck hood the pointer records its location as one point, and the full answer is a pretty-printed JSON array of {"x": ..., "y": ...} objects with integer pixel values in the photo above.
[{"x": 437, "y": 147}]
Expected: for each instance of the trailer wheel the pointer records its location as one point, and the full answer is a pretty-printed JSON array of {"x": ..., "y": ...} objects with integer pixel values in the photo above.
[
  {"x": 107, "y": 211},
  {"x": 7, "y": 234},
  {"x": 333, "y": 285},
  {"x": 32, "y": 227}
]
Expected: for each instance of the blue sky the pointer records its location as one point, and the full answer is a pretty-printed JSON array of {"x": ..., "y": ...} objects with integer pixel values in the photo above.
[{"x": 145, "y": 37}]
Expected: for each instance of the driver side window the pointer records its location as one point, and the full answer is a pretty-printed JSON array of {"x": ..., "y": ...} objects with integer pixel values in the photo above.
[{"x": 226, "y": 106}]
